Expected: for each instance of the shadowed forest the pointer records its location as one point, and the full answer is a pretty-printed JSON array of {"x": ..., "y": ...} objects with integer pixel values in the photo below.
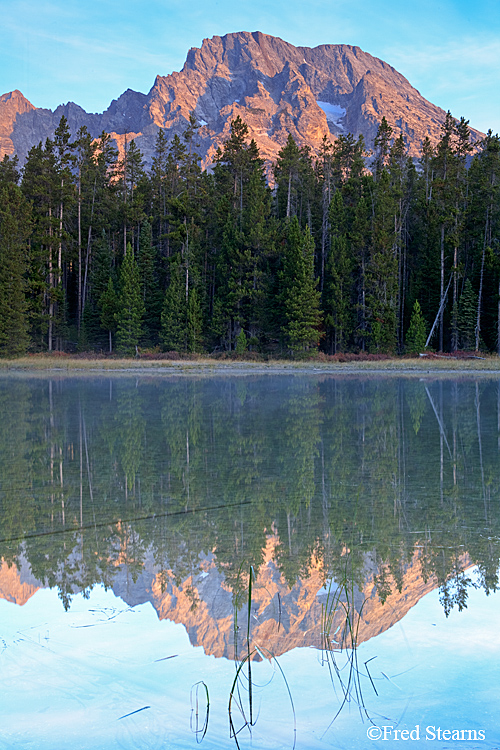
[{"x": 313, "y": 253}]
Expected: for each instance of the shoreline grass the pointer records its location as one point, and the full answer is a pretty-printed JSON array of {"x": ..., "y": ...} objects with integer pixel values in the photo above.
[{"x": 66, "y": 363}]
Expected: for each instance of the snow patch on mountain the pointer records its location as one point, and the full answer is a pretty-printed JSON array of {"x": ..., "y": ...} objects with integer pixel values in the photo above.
[{"x": 334, "y": 113}]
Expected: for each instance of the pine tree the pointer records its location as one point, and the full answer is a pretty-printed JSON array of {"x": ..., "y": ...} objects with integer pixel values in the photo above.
[
  {"x": 244, "y": 237},
  {"x": 15, "y": 218},
  {"x": 185, "y": 203},
  {"x": 241, "y": 343},
  {"x": 133, "y": 178},
  {"x": 449, "y": 198},
  {"x": 150, "y": 290},
  {"x": 416, "y": 335},
  {"x": 173, "y": 316},
  {"x": 257, "y": 240},
  {"x": 65, "y": 197},
  {"x": 84, "y": 162},
  {"x": 299, "y": 291},
  {"x": 324, "y": 168},
  {"x": 131, "y": 306},
  {"x": 382, "y": 146},
  {"x": 231, "y": 171},
  {"x": 295, "y": 182},
  {"x": 483, "y": 233},
  {"x": 287, "y": 179},
  {"x": 403, "y": 175},
  {"x": 467, "y": 312},
  {"x": 348, "y": 160},
  {"x": 40, "y": 185},
  {"x": 100, "y": 268},
  {"x": 359, "y": 240},
  {"x": 98, "y": 217},
  {"x": 382, "y": 271},
  {"x": 109, "y": 304},
  {"x": 9, "y": 173},
  {"x": 337, "y": 296},
  {"x": 194, "y": 322},
  {"x": 163, "y": 173},
  {"x": 189, "y": 166}
]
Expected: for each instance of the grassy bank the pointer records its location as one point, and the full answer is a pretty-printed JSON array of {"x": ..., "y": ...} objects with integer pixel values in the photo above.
[{"x": 58, "y": 362}]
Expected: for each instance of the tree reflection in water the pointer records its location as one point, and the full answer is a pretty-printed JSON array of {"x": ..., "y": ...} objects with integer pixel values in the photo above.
[{"x": 176, "y": 485}]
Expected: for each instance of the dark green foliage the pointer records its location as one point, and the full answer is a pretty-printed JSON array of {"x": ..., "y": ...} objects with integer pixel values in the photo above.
[
  {"x": 15, "y": 219},
  {"x": 416, "y": 335},
  {"x": 147, "y": 266},
  {"x": 173, "y": 316},
  {"x": 382, "y": 144},
  {"x": 244, "y": 236},
  {"x": 338, "y": 291},
  {"x": 194, "y": 322},
  {"x": 109, "y": 304},
  {"x": 482, "y": 228},
  {"x": 40, "y": 185},
  {"x": 241, "y": 342},
  {"x": 9, "y": 173},
  {"x": 130, "y": 306},
  {"x": 215, "y": 253},
  {"x": 382, "y": 271},
  {"x": 294, "y": 177},
  {"x": 302, "y": 316},
  {"x": 133, "y": 188},
  {"x": 467, "y": 316}
]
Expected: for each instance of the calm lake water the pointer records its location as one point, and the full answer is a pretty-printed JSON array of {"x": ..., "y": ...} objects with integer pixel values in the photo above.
[{"x": 270, "y": 561}]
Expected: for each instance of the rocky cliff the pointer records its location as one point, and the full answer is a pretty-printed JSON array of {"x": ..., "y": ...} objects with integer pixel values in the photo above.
[
  {"x": 274, "y": 87},
  {"x": 283, "y": 617}
]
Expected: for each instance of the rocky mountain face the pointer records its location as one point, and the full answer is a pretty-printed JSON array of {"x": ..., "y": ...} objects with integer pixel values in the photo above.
[
  {"x": 274, "y": 87},
  {"x": 283, "y": 617}
]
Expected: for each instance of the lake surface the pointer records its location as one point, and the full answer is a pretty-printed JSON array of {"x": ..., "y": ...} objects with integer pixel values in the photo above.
[{"x": 267, "y": 561}]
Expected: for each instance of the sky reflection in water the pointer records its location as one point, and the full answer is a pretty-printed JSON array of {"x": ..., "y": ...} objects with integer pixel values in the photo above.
[{"x": 69, "y": 677}]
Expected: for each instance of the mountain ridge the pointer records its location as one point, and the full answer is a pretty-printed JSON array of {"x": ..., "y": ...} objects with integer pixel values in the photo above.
[
  {"x": 285, "y": 616},
  {"x": 272, "y": 85}
]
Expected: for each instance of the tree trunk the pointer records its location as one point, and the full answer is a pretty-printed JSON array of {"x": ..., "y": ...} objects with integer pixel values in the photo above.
[
  {"x": 454, "y": 322},
  {"x": 87, "y": 263},
  {"x": 59, "y": 256},
  {"x": 87, "y": 257},
  {"x": 51, "y": 285},
  {"x": 480, "y": 295},
  {"x": 325, "y": 226},
  {"x": 79, "y": 248},
  {"x": 125, "y": 198},
  {"x": 441, "y": 321},
  {"x": 187, "y": 259}
]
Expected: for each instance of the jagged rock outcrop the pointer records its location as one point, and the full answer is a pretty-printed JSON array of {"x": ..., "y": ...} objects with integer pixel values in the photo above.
[
  {"x": 13, "y": 106},
  {"x": 274, "y": 87},
  {"x": 16, "y": 585},
  {"x": 283, "y": 617}
]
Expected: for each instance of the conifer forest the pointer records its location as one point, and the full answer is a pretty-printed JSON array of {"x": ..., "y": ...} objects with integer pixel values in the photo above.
[{"x": 357, "y": 248}]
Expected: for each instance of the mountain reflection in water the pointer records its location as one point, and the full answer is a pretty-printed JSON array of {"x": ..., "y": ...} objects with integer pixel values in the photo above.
[{"x": 178, "y": 490}]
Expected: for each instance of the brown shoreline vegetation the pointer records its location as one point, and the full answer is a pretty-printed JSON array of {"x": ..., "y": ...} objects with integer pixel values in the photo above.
[{"x": 253, "y": 362}]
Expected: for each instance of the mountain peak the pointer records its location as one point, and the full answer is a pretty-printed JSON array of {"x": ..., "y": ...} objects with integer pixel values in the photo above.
[
  {"x": 14, "y": 96},
  {"x": 272, "y": 85}
]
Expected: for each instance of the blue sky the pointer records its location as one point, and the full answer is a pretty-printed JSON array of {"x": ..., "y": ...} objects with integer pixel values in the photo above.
[
  {"x": 72, "y": 674},
  {"x": 90, "y": 51}
]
